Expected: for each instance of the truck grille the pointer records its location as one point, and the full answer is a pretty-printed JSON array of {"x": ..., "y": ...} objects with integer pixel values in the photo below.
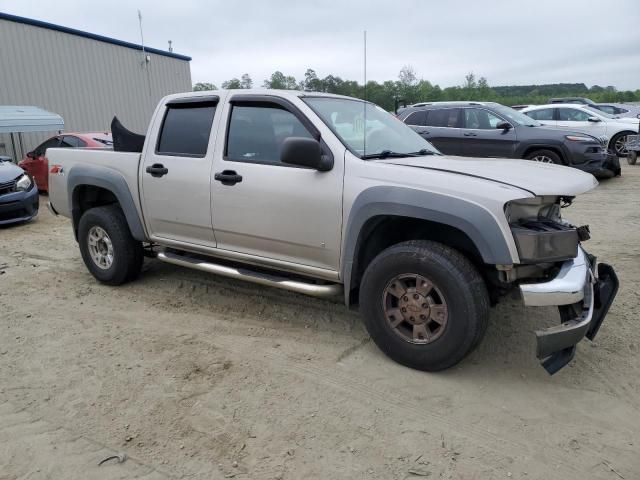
[{"x": 8, "y": 187}]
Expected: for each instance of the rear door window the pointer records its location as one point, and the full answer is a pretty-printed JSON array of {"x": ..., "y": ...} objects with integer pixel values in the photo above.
[
  {"x": 542, "y": 114},
  {"x": 417, "y": 118},
  {"x": 446, "y": 117},
  {"x": 69, "y": 141},
  {"x": 185, "y": 129}
]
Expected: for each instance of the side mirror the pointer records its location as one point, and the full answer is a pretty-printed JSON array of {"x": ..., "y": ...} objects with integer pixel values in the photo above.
[
  {"x": 305, "y": 152},
  {"x": 594, "y": 119},
  {"x": 504, "y": 126},
  {"x": 31, "y": 155}
]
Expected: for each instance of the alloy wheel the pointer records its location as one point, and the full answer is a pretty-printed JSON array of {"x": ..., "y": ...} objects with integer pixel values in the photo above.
[
  {"x": 415, "y": 308},
  {"x": 100, "y": 247}
]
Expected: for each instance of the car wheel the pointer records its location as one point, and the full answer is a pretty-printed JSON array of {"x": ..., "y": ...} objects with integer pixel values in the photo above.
[
  {"x": 108, "y": 249},
  {"x": 544, "y": 156},
  {"x": 618, "y": 143},
  {"x": 424, "y": 304},
  {"x": 632, "y": 157}
]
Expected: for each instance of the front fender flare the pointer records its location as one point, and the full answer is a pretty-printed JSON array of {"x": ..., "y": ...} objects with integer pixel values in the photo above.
[{"x": 473, "y": 220}]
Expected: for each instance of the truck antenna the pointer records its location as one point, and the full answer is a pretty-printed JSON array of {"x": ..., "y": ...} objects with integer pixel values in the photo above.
[{"x": 364, "y": 130}]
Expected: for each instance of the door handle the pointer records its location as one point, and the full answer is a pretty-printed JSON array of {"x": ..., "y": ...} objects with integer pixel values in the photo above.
[
  {"x": 157, "y": 170},
  {"x": 470, "y": 134},
  {"x": 228, "y": 177}
]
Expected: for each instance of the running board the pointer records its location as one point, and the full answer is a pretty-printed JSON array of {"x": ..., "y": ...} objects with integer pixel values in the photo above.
[{"x": 284, "y": 283}]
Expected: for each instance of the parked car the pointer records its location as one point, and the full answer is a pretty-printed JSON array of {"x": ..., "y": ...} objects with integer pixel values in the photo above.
[
  {"x": 322, "y": 195},
  {"x": 36, "y": 164},
  {"x": 619, "y": 110},
  {"x": 487, "y": 129},
  {"x": 589, "y": 120},
  {"x": 19, "y": 200}
]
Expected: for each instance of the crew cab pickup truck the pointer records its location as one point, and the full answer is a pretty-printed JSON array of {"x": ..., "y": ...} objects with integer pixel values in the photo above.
[{"x": 327, "y": 195}]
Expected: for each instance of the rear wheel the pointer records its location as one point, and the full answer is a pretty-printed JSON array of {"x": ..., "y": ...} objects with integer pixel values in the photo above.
[
  {"x": 424, "y": 304},
  {"x": 618, "y": 143},
  {"x": 544, "y": 156},
  {"x": 108, "y": 249}
]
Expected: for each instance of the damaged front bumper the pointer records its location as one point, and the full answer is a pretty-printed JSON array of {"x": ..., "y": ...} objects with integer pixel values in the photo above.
[{"x": 583, "y": 293}]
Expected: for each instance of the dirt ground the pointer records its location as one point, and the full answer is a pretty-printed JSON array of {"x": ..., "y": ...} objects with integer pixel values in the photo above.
[{"x": 199, "y": 377}]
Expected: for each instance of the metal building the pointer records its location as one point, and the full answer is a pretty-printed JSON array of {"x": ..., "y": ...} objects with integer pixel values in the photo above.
[{"x": 85, "y": 78}]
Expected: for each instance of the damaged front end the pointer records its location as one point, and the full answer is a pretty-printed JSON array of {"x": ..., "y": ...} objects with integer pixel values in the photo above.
[{"x": 566, "y": 276}]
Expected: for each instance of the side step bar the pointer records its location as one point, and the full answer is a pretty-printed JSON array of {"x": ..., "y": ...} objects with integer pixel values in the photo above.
[{"x": 261, "y": 278}]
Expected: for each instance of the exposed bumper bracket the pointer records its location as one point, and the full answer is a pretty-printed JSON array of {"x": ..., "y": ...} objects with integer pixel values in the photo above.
[{"x": 583, "y": 299}]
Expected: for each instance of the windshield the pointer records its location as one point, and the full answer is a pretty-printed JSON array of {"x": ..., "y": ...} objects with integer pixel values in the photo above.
[
  {"x": 516, "y": 116},
  {"x": 599, "y": 113},
  {"x": 385, "y": 134}
]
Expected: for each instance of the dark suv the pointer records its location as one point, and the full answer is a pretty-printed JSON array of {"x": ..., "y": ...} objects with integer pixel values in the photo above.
[{"x": 487, "y": 129}]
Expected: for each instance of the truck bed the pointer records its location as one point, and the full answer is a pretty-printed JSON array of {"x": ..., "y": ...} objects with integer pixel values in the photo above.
[{"x": 124, "y": 164}]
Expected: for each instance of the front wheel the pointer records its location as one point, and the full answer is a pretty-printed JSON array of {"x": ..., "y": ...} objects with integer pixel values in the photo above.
[
  {"x": 544, "y": 156},
  {"x": 424, "y": 304},
  {"x": 108, "y": 249}
]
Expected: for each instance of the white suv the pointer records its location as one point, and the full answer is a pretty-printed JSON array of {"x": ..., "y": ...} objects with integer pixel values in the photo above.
[{"x": 586, "y": 119}]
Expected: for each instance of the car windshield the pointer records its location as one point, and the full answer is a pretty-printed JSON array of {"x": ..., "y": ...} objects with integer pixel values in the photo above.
[
  {"x": 386, "y": 136},
  {"x": 515, "y": 116},
  {"x": 599, "y": 113}
]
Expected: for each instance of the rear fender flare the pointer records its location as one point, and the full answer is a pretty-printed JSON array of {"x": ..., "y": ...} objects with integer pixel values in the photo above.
[{"x": 114, "y": 182}]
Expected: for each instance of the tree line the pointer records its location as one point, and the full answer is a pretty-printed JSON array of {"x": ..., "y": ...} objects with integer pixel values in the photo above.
[{"x": 408, "y": 88}]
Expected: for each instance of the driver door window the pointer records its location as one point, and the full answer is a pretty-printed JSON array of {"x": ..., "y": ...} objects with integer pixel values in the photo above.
[
  {"x": 572, "y": 115},
  {"x": 257, "y": 133}
]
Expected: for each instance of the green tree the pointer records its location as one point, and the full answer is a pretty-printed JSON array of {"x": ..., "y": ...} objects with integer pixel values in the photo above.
[
  {"x": 233, "y": 83},
  {"x": 280, "y": 81},
  {"x": 202, "y": 86},
  {"x": 245, "y": 81}
]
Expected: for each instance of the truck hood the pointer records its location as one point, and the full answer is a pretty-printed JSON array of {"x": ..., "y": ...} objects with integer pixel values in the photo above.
[
  {"x": 536, "y": 178},
  {"x": 9, "y": 171}
]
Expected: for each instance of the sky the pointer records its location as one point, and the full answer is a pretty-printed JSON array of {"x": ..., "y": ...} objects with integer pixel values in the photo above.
[{"x": 513, "y": 42}]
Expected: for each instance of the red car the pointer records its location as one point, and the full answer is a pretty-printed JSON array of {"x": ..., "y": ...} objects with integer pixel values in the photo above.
[{"x": 37, "y": 165}]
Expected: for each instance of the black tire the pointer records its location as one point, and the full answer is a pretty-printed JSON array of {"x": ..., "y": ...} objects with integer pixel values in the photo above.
[
  {"x": 544, "y": 153},
  {"x": 128, "y": 254},
  {"x": 632, "y": 157},
  {"x": 614, "y": 140},
  {"x": 461, "y": 285}
]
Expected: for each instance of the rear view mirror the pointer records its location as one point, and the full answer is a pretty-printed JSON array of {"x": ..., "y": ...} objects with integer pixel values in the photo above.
[
  {"x": 594, "y": 119},
  {"x": 305, "y": 152},
  {"x": 504, "y": 126}
]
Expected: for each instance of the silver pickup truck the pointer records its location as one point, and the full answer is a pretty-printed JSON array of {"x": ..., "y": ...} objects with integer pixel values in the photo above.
[{"x": 327, "y": 195}]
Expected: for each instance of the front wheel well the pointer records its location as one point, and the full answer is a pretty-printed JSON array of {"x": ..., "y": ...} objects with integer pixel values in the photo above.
[{"x": 381, "y": 232}]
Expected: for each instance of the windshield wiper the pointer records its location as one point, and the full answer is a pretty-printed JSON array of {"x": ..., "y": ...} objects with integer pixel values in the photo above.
[{"x": 391, "y": 154}]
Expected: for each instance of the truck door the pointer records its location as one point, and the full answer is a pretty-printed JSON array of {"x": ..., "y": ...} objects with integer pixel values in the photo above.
[
  {"x": 175, "y": 175},
  {"x": 267, "y": 209}
]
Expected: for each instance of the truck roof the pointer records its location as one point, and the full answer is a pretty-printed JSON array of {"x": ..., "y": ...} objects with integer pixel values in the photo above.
[{"x": 257, "y": 91}]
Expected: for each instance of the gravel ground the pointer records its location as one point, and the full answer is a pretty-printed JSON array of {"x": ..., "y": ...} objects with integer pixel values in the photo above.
[{"x": 200, "y": 377}]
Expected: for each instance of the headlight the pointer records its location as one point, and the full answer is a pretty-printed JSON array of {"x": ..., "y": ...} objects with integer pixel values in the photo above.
[
  {"x": 581, "y": 138},
  {"x": 24, "y": 183},
  {"x": 533, "y": 208},
  {"x": 539, "y": 231}
]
